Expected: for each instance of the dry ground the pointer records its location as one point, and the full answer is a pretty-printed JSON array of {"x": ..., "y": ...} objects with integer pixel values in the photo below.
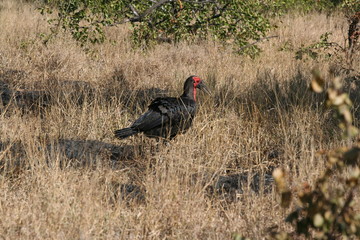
[{"x": 65, "y": 176}]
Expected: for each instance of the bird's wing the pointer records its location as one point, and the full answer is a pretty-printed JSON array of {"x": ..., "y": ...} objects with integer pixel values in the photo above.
[
  {"x": 161, "y": 112},
  {"x": 149, "y": 120},
  {"x": 177, "y": 109},
  {"x": 170, "y": 107}
]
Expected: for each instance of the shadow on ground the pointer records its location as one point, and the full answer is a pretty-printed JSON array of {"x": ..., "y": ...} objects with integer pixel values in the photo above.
[
  {"x": 66, "y": 153},
  {"x": 88, "y": 153},
  {"x": 221, "y": 187},
  {"x": 231, "y": 187},
  {"x": 69, "y": 93}
]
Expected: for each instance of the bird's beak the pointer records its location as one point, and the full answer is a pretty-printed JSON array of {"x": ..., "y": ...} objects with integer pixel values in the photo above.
[{"x": 202, "y": 86}]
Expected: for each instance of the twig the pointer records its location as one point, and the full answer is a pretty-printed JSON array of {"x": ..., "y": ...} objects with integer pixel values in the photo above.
[
  {"x": 134, "y": 10},
  {"x": 140, "y": 17},
  {"x": 200, "y": 2}
]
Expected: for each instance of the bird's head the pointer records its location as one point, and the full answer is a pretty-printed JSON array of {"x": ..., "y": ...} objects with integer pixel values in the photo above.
[{"x": 192, "y": 83}]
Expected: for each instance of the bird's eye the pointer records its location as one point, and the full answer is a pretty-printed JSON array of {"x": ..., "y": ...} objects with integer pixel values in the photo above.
[{"x": 196, "y": 79}]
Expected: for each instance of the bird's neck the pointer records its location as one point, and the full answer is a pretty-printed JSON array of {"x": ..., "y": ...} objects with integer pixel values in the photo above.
[{"x": 190, "y": 93}]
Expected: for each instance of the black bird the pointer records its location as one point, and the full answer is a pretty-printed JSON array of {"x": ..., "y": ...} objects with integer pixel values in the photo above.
[{"x": 167, "y": 116}]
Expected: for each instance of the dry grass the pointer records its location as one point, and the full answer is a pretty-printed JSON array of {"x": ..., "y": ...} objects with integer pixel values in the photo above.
[{"x": 65, "y": 176}]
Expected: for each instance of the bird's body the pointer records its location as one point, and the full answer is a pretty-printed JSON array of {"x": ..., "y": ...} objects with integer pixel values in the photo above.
[{"x": 168, "y": 116}]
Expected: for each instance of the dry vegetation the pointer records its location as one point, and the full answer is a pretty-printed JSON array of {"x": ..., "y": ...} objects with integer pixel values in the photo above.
[{"x": 65, "y": 176}]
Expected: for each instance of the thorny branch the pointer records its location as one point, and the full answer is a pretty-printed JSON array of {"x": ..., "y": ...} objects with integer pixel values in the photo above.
[{"x": 139, "y": 17}]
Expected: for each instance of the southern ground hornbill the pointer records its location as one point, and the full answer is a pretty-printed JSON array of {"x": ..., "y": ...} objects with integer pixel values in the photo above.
[{"x": 167, "y": 116}]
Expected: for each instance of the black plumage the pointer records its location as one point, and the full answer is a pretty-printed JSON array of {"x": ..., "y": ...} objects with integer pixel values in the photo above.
[{"x": 167, "y": 116}]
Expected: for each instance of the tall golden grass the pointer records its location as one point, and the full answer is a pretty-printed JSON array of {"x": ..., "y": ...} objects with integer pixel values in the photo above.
[{"x": 65, "y": 176}]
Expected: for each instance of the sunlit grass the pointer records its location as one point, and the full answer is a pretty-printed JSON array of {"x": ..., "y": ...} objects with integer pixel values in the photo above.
[{"x": 260, "y": 115}]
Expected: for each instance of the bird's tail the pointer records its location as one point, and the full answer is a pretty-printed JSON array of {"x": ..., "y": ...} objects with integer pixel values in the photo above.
[{"x": 125, "y": 132}]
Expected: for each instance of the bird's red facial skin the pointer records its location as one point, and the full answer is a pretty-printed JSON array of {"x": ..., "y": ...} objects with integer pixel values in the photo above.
[{"x": 197, "y": 80}]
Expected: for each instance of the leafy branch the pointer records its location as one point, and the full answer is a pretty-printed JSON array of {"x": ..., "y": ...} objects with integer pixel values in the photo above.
[
  {"x": 233, "y": 21},
  {"x": 326, "y": 210}
]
